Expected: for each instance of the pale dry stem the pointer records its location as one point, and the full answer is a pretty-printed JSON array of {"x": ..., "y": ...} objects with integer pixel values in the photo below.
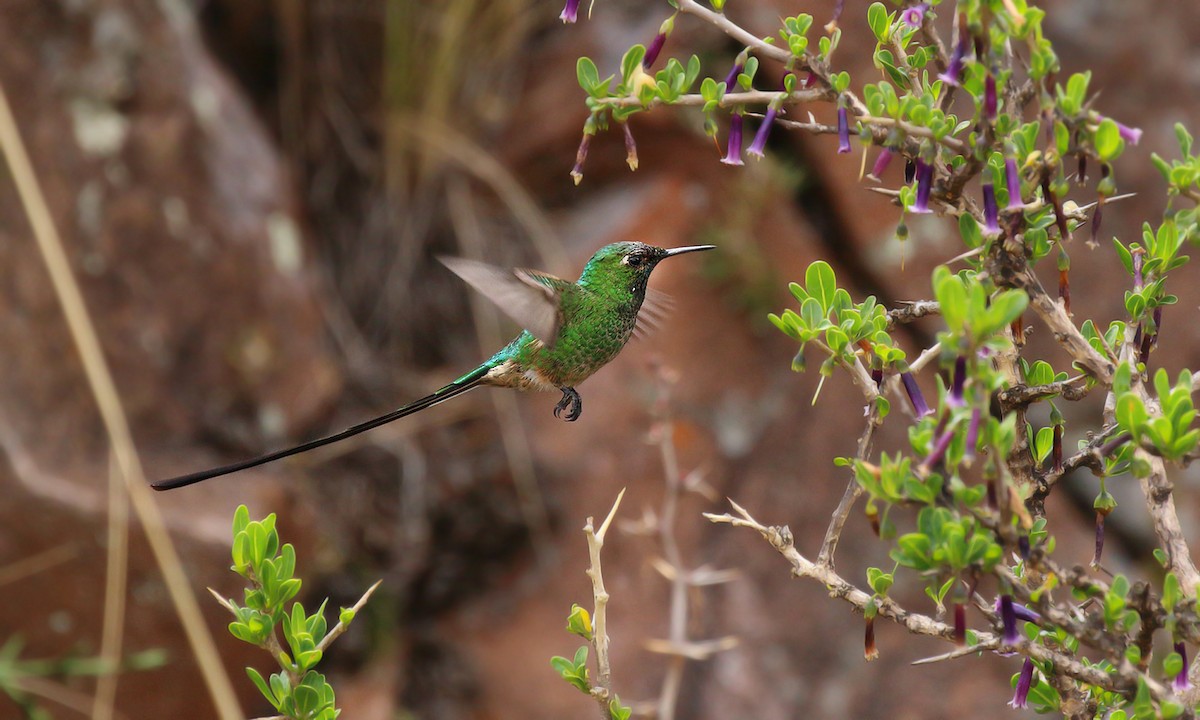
[
  {"x": 595, "y": 541},
  {"x": 112, "y": 413}
]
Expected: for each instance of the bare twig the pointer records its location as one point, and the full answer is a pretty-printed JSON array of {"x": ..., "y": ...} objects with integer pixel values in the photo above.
[
  {"x": 1075, "y": 388},
  {"x": 912, "y": 311},
  {"x": 853, "y": 491},
  {"x": 748, "y": 97},
  {"x": 341, "y": 627},
  {"x": 595, "y": 541}
]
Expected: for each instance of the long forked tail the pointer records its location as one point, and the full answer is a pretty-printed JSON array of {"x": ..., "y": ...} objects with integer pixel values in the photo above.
[{"x": 458, "y": 387}]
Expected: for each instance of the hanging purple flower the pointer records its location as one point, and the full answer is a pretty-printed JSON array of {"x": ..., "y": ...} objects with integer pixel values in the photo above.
[
  {"x": 581, "y": 158},
  {"x": 1020, "y": 699},
  {"x": 939, "y": 450},
  {"x": 1181, "y": 680},
  {"x": 955, "y": 399},
  {"x": 570, "y": 13},
  {"x": 656, "y": 45},
  {"x": 957, "y": 56},
  {"x": 990, "y": 103},
  {"x": 764, "y": 130},
  {"x": 1013, "y": 177},
  {"x": 733, "y": 153},
  {"x": 960, "y": 624},
  {"x": 924, "y": 186},
  {"x": 739, "y": 64},
  {"x": 972, "y": 435},
  {"x": 870, "y": 650},
  {"x": 991, "y": 211},
  {"x": 1008, "y": 617},
  {"x": 915, "y": 15},
  {"x": 837, "y": 15},
  {"x": 881, "y": 163},
  {"x": 843, "y": 125},
  {"x": 914, "y": 394},
  {"x": 631, "y": 156}
]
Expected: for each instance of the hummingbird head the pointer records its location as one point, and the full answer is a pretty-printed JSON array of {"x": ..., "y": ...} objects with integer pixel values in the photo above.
[{"x": 626, "y": 266}]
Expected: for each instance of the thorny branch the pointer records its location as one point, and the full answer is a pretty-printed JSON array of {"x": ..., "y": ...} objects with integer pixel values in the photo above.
[
  {"x": 780, "y": 538},
  {"x": 1007, "y": 265},
  {"x": 595, "y": 540}
]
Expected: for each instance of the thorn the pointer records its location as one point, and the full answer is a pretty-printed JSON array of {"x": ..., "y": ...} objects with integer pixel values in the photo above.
[{"x": 611, "y": 514}]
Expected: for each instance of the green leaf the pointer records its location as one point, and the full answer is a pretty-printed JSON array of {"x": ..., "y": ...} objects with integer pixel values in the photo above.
[
  {"x": 821, "y": 283},
  {"x": 262, "y": 686},
  {"x": 579, "y": 622},
  {"x": 631, "y": 61},
  {"x": 586, "y": 73},
  {"x": 877, "y": 19},
  {"x": 1108, "y": 140}
]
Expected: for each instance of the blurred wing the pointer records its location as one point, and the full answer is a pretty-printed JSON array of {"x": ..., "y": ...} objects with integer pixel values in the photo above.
[
  {"x": 528, "y": 297},
  {"x": 655, "y": 307}
]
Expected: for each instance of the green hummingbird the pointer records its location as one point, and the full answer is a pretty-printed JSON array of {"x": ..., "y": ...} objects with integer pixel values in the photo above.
[{"x": 571, "y": 330}]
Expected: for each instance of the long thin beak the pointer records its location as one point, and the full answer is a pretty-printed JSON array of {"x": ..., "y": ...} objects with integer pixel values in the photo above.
[{"x": 690, "y": 248}]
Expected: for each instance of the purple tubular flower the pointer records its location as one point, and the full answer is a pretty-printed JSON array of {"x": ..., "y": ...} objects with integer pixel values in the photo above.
[
  {"x": 915, "y": 15},
  {"x": 1013, "y": 177},
  {"x": 733, "y": 153},
  {"x": 656, "y": 45},
  {"x": 924, "y": 186},
  {"x": 939, "y": 449},
  {"x": 989, "y": 98},
  {"x": 957, "y": 56},
  {"x": 631, "y": 156},
  {"x": 570, "y": 13},
  {"x": 1181, "y": 680},
  {"x": 1020, "y": 699},
  {"x": 870, "y": 650},
  {"x": 1130, "y": 135},
  {"x": 881, "y": 164},
  {"x": 764, "y": 129},
  {"x": 972, "y": 435},
  {"x": 580, "y": 158},
  {"x": 1099, "y": 550},
  {"x": 843, "y": 125},
  {"x": 1020, "y": 612},
  {"x": 914, "y": 394},
  {"x": 837, "y": 15},
  {"x": 738, "y": 66},
  {"x": 1008, "y": 617},
  {"x": 956, "y": 385},
  {"x": 991, "y": 211}
]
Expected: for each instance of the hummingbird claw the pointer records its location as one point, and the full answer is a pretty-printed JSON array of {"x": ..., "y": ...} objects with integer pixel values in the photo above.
[{"x": 571, "y": 402}]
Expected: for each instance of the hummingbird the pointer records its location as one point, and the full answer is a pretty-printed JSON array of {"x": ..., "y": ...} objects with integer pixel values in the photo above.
[{"x": 571, "y": 330}]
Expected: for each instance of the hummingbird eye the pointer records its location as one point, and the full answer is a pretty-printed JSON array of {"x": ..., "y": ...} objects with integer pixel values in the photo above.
[{"x": 633, "y": 260}]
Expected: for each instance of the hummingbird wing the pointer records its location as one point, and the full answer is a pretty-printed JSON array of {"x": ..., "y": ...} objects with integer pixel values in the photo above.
[
  {"x": 655, "y": 307},
  {"x": 529, "y": 297}
]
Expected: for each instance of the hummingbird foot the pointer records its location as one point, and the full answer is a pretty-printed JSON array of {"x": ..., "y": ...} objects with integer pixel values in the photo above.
[{"x": 571, "y": 402}]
